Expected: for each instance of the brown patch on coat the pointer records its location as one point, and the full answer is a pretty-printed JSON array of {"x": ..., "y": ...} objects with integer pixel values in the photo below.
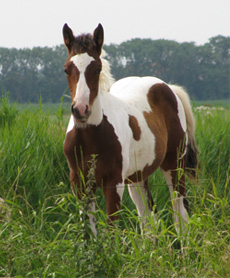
[
  {"x": 164, "y": 123},
  {"x": 79, "y": 146},
  {"x": 133, "y": 123},
  {"x": 72, "y": 75},
  {"x": 161, "y": 96},
  {"x": 92, "y": 76}
]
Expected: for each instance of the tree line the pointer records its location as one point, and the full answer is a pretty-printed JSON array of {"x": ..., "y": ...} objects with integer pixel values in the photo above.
[{"x": 31, "y": 74}]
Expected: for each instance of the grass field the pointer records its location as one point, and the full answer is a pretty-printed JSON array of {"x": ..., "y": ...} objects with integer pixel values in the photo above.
[{"x": 44, "y": 236}]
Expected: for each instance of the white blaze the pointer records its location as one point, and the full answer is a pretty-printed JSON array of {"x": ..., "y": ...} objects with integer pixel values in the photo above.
[{"x": 81, "y": 61}]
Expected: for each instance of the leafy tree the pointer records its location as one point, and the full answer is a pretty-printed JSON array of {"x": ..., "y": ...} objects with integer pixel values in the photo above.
[
  {"x": 30, "y": 73},
  {"x": 204, "y": 70}
]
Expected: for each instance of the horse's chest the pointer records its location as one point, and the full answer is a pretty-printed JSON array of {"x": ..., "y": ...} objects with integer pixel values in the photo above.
[{"x": 81, "y": 145}]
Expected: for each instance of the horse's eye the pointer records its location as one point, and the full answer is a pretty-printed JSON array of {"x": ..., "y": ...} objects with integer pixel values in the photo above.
[
  {"x": 66, "y": 70},
  {"x": 98, "y": 71}
]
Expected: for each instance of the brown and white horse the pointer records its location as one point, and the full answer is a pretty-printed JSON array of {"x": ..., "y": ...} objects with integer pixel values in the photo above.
[{"x": 133, "y": 126}]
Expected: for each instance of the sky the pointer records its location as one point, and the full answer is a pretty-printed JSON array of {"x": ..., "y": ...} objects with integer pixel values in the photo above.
[{"x": 30, "y": 23}]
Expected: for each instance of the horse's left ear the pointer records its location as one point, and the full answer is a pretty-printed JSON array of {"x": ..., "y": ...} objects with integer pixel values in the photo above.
[{"x": 98, "y": 37}]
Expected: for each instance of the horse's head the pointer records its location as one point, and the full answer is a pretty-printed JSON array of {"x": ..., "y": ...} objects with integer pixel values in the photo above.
[{"x": 82, "y": 68}]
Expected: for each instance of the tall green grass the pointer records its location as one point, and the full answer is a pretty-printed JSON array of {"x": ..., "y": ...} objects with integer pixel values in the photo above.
[{"x": 45, "y": 236}]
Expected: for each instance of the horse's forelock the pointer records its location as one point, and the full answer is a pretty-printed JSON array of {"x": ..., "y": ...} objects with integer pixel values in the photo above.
[{"x": 83, "y": 43}]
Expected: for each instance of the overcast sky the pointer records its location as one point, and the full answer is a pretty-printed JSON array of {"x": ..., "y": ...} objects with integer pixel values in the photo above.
[{"x": 29, "y": 23}]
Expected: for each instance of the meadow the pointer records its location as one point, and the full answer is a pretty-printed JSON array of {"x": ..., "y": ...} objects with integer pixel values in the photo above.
[{"x": 41, "y": 234}]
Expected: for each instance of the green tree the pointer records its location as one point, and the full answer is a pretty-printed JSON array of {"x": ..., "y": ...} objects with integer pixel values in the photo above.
[
  {"x": 204, "y": 70},
  {"x": 30, "y": 73}
]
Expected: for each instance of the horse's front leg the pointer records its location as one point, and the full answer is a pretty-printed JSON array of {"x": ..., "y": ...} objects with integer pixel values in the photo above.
[{"x": 113, "y": 196}]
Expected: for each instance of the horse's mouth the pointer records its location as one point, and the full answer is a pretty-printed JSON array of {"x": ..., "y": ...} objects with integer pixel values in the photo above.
[
  {"x": 82, "y": 121},
  {"x": 80, "y": 118}
]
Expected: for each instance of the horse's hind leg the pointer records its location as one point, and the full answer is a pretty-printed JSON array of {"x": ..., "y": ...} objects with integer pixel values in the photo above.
[
  {"x": 176, "y": 183},
  {"x": 141, "y": 196}
]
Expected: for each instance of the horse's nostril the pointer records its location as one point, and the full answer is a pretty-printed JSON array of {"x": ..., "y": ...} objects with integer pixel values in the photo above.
[
  {"x": 72, "y": 108},
  {"x": 86, "y": 109}
]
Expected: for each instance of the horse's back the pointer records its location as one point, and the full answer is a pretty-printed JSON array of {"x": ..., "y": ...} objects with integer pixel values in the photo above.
[
  {"x": 129, "y": 87},
  {"x": 150, "y": 94}
]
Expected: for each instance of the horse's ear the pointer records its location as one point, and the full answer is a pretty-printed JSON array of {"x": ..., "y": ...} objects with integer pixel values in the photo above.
[
  {"x": 98, "y": 37},
  {"x": 68, "y": 37}
]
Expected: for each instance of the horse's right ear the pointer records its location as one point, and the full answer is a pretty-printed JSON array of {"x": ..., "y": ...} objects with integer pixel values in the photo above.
[{"x": 68, "y": 37}]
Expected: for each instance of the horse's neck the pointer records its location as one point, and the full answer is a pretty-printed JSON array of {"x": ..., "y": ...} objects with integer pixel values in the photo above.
[
  {"x": 96, "y": 110},
  {"x": 104, "y": 104}
]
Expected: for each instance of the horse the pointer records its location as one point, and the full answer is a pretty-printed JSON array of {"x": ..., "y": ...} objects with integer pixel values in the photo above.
[{"x": 134, "y": 125}]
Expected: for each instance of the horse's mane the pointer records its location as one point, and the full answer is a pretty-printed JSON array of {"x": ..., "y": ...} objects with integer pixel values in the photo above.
[
  {"x": 84, "y": 42},
  {"x": 106, "y": 78}
]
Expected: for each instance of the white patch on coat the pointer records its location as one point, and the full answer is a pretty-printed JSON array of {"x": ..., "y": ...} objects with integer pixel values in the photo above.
[
  {"x": 120, "y": 190},
  {"x": 70, "y": 124},
  {"x": 96, "y": 115},
  {"x": 129, "y": 97},
  {"x": 82, "y": 61},
  {"x": 139, "y": 197}
]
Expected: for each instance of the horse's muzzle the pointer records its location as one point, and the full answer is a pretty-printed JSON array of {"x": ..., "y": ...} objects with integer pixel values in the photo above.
[{"x": 81, "y": 114}]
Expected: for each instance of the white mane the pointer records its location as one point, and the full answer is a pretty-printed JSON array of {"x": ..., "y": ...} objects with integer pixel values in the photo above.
[{"x": 106, "y": 78}]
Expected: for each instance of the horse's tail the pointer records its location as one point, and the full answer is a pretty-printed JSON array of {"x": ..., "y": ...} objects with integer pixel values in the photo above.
[{"x": 192, "y": 149}]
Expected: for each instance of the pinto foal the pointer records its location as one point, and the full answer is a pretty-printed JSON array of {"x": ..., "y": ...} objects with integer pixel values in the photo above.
[{"x": 134, "y": 126}]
